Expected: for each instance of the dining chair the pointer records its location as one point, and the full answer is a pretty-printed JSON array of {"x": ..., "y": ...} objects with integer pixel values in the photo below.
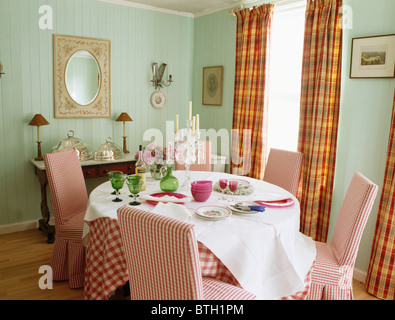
[
  {"x": 333, "y": 271},
  {"x": 205, "y": 164},
  {"x": 162, "y": 258},
  {"x": 283, "y": 169},
  {"x": 69, "y": 201}
]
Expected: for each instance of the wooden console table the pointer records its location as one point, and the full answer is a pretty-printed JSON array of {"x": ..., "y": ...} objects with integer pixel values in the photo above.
[{"x": 91, "y": 169}]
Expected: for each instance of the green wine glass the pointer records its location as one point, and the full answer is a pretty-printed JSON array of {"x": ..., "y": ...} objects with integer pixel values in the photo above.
[
  {"x": 134, "y": 185},
  {"x": 114, "y": 174},
  {"x": 132, "y": 179},
  {"x": 117, "y": 184}
]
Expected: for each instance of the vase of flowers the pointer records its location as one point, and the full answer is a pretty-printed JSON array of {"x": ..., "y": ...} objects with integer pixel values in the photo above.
[{"x": 155, "y": 156}]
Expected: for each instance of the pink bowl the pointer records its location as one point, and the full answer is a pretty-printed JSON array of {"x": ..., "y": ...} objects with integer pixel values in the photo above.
[
  {"x": 201, "y": 196},
  {"x": 202, "y": 190},
  {"x": 202, "y": 184}
]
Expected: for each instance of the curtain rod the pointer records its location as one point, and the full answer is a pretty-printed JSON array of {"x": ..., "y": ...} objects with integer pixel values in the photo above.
[{"x": 241, "y": 6}]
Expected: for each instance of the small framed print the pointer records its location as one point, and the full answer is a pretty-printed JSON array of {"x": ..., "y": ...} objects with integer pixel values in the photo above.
[
  {"x": 373, "y": 57},
  {"x": 212, "y": 86}
]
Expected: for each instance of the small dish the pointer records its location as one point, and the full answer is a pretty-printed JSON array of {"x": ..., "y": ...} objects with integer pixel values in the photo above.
[
  {"x": 276, "y": 203},
  {"x": 213, "y": 212},
  {"x": 170, "y": 194}
]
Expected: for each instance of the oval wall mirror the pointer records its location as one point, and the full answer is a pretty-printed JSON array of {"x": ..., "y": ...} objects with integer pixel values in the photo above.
[{"x": 83, "y": 77}]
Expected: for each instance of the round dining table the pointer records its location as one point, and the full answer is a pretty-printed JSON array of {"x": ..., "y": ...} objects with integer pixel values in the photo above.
[{"x": 262, "y": 252}]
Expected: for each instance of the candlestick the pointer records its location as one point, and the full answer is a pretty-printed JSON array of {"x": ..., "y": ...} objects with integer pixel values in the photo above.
[
  {"x": 193, "y": 124},
  {"x": 197, "y": 122},
  {"x": 190, "y": 111}
]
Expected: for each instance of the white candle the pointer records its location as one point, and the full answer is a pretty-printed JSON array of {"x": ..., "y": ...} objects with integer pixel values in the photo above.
[
  {"x": 176, "y": 126},
  {"x": 197, "y": 122},
  {"x": 190, "y": 111},
  {"x": 193, "y": 124}
]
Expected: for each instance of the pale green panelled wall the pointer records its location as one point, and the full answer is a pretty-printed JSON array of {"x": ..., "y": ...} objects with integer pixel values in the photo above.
[
  {"x": 215, "y": 45},
  {"x": 366, "y": 104},
  {"x": 138, "y": 38},
  {"x": 365, "y": 117}
]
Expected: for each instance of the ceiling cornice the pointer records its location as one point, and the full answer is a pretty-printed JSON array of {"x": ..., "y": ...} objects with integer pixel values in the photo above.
[
  {"x": 147, "y": 7},
  {"x": 180, "y": 13}
]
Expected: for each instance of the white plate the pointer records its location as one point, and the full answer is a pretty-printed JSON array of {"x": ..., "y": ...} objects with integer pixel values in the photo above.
[
  {"x": 238, "y": 211},
  {"x": 213, "y": 212}
]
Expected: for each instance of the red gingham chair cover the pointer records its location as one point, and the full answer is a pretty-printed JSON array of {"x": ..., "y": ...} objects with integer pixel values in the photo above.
[
  {"x": 69, "y": 201},
  {"x": 106, "y": 265},
  {"x": 283, "y": 169},
  {"x": 332, "y": 275},
  {"x": 163, "y": 260},
  {"x": 206, "y": 162}
]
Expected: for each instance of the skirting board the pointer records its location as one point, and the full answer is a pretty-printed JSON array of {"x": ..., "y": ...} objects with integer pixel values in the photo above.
[
  {"x": 359, "y": 275},
  {"x": 19, "y": 226}
]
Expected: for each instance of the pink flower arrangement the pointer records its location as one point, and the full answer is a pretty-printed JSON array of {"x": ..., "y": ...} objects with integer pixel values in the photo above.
[{"x": 153, "y": 153}]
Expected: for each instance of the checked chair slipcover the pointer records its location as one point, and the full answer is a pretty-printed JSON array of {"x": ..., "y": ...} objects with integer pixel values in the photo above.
[
  {"x": 283, "y": 169},
  {"x": 162, "y": 258},
  {"x": 333, "y": 272},
  {"x": 69, "y": 201}
]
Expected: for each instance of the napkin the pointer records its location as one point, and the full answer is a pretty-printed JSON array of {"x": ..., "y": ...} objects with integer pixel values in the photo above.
[
  {"x": 172, "y": 210},
  {"x": 164, "y": 198}
]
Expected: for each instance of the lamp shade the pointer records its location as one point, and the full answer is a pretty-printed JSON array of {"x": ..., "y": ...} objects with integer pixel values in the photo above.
[
  {"x": 38, "y": 120},
  {"x": 124, "y": 117}
]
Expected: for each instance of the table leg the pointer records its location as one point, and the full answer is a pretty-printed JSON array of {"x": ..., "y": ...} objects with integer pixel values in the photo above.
[{"x": 44, "y": 222}]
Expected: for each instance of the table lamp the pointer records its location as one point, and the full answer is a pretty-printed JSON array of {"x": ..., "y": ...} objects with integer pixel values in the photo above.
[
  {"x": 124, "y": 117},
  {"x": 37, "y": 121}
]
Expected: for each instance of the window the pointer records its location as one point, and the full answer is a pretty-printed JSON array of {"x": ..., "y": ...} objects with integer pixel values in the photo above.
[{"x": 284, "y": 76}]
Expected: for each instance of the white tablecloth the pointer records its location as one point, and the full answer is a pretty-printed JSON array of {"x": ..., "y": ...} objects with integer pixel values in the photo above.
[{"x": 265, "y": 251}]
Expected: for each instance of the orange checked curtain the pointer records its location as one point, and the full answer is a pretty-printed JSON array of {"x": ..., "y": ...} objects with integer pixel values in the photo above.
[
  {"x": 249, "y": 129},
  {"x": 319, "y": 114},
  {"x": 381, "y": 273}
]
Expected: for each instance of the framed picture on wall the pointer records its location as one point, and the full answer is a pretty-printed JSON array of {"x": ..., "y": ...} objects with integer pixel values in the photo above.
[
  {"x": 212, "y": 86},
  {"x": 373, "y": 57}
]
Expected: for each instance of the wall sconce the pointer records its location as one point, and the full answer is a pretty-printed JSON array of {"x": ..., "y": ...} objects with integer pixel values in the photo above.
[
  {"x": 1, "y": 69},
  {"x": 124, "y": 117},
  {"x": 157, "y": 75},
  {"x": 37, "y": 121}
]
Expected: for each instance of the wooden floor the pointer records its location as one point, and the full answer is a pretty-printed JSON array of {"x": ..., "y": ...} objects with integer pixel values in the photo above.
[{"x": 22, "y": 254}]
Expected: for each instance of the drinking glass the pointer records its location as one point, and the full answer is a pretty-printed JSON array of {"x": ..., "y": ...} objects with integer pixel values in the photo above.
[
  {"x": 233, "y": 185},
  {"x": 135, "y": 188},
  {"x": 132, "y": 179},
  {"x": 117, "y": 183},
  {"x": 222, "y": 184},
  {"x": 114, "y": 174}
]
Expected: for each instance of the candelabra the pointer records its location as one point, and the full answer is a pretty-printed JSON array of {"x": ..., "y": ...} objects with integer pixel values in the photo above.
[{"x": 188, "y": 149}]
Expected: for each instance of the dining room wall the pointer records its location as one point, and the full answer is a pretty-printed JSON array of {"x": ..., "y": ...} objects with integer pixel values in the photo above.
[
  {"x": 365, "y": 110},
  {"x": 138, "y": 37},
  {"x": 365, "y": 118}
]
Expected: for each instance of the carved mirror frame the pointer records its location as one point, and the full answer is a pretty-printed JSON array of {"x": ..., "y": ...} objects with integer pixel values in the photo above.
[{"x": 64, "y": 48}]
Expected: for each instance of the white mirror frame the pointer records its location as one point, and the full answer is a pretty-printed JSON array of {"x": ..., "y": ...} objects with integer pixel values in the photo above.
[{"x": 65, "y": 106}]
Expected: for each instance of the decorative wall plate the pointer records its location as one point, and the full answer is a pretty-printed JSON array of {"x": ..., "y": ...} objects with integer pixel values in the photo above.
[{"x": 158, "y": 99}]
